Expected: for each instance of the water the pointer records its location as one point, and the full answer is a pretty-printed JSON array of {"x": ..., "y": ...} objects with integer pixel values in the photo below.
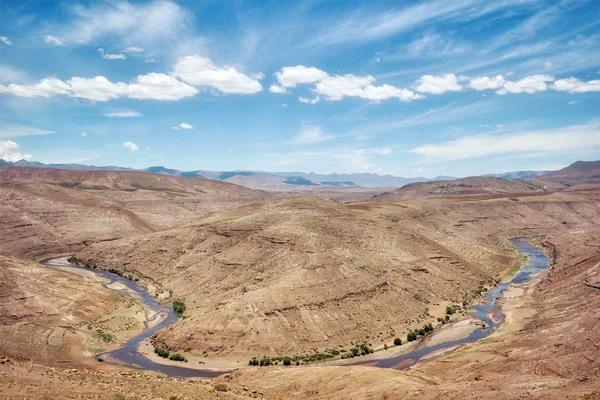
[
  {"x": 128, "y": 355},
  {"x": 486, "y": 312}
]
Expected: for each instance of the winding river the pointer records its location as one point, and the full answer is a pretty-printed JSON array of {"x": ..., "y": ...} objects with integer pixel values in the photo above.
[{"x": 487, "y": 312}]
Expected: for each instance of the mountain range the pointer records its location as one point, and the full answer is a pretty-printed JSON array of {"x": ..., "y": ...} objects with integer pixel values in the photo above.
[{"x": 277, "y": 181}]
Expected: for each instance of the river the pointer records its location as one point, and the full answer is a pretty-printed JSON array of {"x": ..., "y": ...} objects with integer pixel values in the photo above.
[{"x": 487, "y": 312}]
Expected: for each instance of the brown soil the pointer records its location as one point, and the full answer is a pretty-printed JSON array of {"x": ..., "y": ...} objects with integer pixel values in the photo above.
[
  {"x": 286, "y": 277},
  {"x": 57, "y": 211}
]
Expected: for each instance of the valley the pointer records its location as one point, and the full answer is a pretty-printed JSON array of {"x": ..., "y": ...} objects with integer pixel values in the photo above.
[{"x": 268, "y": 277}]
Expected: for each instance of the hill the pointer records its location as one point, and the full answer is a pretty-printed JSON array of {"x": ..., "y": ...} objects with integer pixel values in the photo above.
[
  {"x": 289, "y": 276},
  {"x": 51, "y": 210},
  {"x": 475, "y": 185}
]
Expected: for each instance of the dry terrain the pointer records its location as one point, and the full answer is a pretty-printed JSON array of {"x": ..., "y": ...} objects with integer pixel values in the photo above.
[
  {"x": 50, "y": 211},
  {"x": 549, "y": 348},
  {"x": 287, "y": 277},
  {"x": 283, "y": 277}
]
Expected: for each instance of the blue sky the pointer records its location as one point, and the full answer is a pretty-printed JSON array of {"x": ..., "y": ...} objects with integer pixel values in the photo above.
[{"x": 406, "y": 88}]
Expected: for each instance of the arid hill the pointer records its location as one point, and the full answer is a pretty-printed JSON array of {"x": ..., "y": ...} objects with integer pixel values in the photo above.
[
  {"x": 285, "y": 277},
  {"x": 579, "y": 175},
  {"x": 50, "y": 210},
  {"x": 474, "y": 185}
]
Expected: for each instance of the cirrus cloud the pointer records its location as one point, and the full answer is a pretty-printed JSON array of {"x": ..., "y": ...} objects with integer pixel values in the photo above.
[
  {"x": 570, "y": 138},
  {"x": 123, "y": 114},
  {"x": 54, "y": 40}
]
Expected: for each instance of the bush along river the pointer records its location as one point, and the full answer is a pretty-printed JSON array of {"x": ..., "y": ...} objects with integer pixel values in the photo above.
[
  {"x": 128, "y": 355},
  {"x": 488, "y": 312}
]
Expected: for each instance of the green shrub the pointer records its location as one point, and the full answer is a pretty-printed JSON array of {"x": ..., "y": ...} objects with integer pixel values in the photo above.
[
  {"x": 179, "y": 307},
  {"x": 220, "y": 387},
  {"x": 162, "y": 352},
  {"x": 450, "y": 310},
  {"x": 100, "y": 359},
  {"x": 411, "y": 336},
  {"x": 176, "y": 357},
  {"x": 397, "y": 341},
  {"x": 287, "y": 361}
]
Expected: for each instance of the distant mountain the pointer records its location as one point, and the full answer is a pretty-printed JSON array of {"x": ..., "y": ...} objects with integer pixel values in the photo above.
[
  {"x": 519, "y": 174},
  {"x": 276, "y": 181}
]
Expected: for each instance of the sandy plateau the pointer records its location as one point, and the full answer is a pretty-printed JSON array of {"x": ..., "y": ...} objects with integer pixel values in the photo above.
[{"x": 262, "y": 276}]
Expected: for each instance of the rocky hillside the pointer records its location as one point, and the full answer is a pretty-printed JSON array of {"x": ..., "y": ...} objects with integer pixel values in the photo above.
[
  {"x": 52, "y": 210},
  {"x": 289, "y": 276}
]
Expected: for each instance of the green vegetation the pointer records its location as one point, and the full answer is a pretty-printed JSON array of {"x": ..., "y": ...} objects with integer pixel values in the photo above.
[
  {"x": 411, "y": 337},
  {"x": 177, "y": 357},
  {"x": 220, "y": 387},
  {"x": 107, "y": 337},
  {"x": 100, "y": 359},
  {"x": 116, "y": 271},
  {"x": 179, "y": 307},
  {"x": 450, "y": 310},
  {"x": 164, "y": 353},
  {"x": 397, "y": 342}
]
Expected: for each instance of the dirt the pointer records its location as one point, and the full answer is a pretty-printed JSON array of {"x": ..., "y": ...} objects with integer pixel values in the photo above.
[{"x": 284, "y": 277}]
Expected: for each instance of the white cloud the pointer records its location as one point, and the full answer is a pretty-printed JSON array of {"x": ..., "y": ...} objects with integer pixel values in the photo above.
[
  {"x": 573, "y": 102},
  {"x": 309, "y": 101},
  {"x": 6, "y": 40},
  {"x": 123, "y": 114},
  {"x": 131, "y": 146},
  {"x": 284, "y": 105},
  {"x": 152, "y": 86},
  {"x": 484, "y": 83},
  {"x": 54, "y": 41},
  {"x": 110, "y": 56},
  {"x": 133, "y": 49},
  {"x": 277, "y": 89},
  {"x": 574, "y": 85},
  {"x": 19, "y": 130},
  {"x": 84, "y": 134},
  {"x": 547, "y": 65},
  {"x": 289, "y": 77},
  {"x": 47, "y": 87},
  {"x": 529, "y": 84},
  {"x": 570, "y": 138},
  {"x": 183, "y": 125},
  {"x": 311, "y": 135},
  {"x": 339, "y": 86},
  {"x": 201, "y": 71},
  {"x": 7, "y": 153},
  {"x": 175, "y": 128},
  {"x": 437, "y": 84},
  {"x": 509, "y": 73}
]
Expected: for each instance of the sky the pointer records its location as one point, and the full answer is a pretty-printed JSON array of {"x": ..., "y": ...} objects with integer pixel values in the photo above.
[{"x": 408, "y": 88}]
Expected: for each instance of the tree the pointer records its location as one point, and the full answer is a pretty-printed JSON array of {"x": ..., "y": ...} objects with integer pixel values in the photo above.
[
  {"x": 397, "y": 342},
  {"x": 179, "y": 307},
  {"x": 411, "y": 336}
]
